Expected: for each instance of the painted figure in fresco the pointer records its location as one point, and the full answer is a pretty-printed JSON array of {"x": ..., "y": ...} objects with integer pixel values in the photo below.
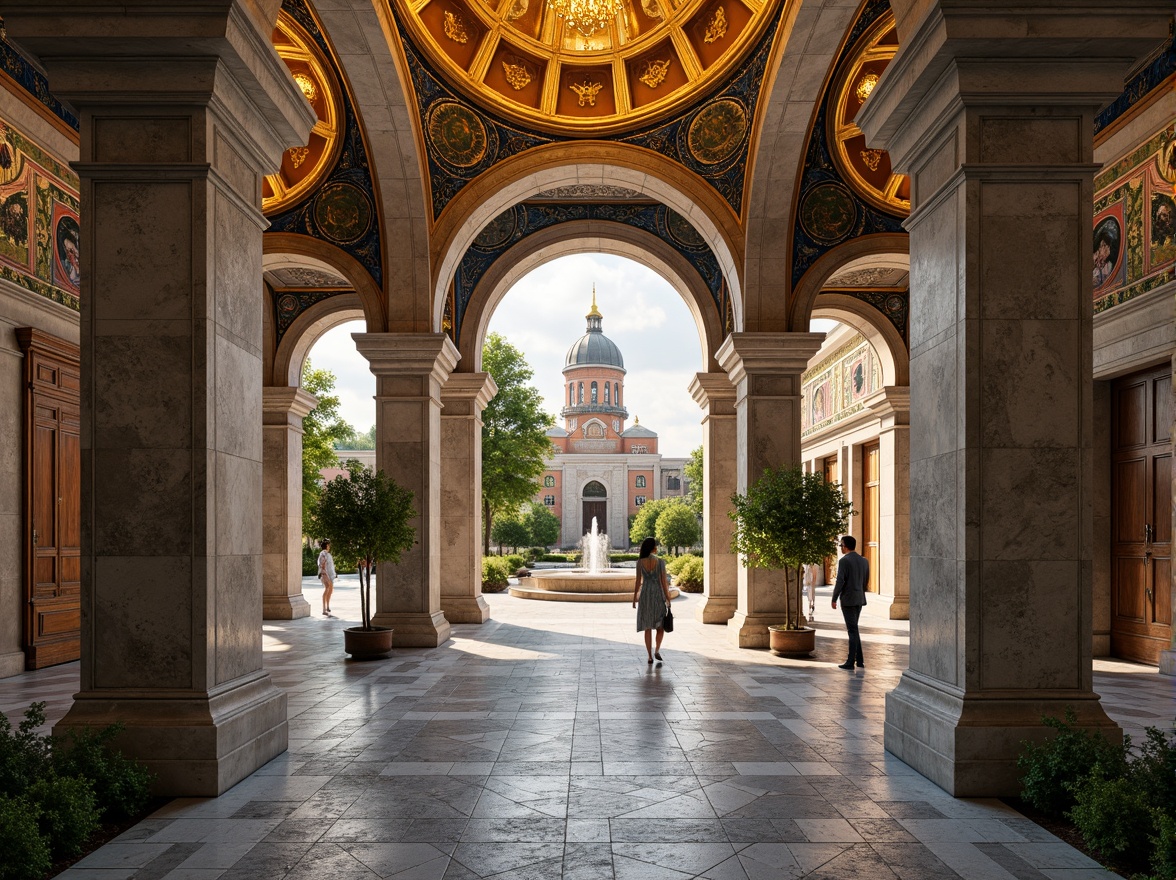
[
  {"x": 1106, "y": 250},
  {"x": 1163, "y": 222},
  {"x": 14, "y": 219},
  {"x": 68, "y": 242},
  {"x": 819, "y": 405}
]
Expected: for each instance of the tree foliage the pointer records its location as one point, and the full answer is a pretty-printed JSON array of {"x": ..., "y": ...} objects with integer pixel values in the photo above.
[
  {"x": 367, "y": 517},
  {"x": 357, "y": 439},
  {"x": 322, "y": 428},
  {"x": 515, "y": 445},
  {"x": 510, "y": 531},
  {"x": 789, "y": 519},
  {"x": 694, "y": 473},
  {"x": 677, "y": 526},
  {"x": 645, "y": 520},
  {"x": 542, "y": 524}
]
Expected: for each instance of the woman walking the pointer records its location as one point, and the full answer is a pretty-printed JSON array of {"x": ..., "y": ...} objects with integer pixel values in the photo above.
[
  {"x": 651, "y": 597},
  {"x": 326, "y": 573}
]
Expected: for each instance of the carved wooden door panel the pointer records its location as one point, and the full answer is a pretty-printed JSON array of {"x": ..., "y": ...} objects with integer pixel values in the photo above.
[
  {"x": 1141, "y": 516},
  {"x": 871, "y": 510},
  {"x": 52, "y": 625},
  {"x": 598, "y": 509}
]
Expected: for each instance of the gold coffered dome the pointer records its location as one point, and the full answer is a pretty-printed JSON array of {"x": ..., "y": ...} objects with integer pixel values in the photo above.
[{"x": 580, "y": 66}]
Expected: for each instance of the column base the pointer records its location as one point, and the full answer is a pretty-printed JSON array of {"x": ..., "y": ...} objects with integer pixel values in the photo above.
[
  {"x": 1167, "y": 662},
  {"x": 888, "y": 607},
  {"x": 284, "y": 607},
  {"x": 751, "y": 630},
  {"x": 12, "y": 664},
  {"x": 415, "y": 630},
  {"x": 968, "y": 745},
  {"x": 465, "y": 609},
  {"x": 196, "y": 745},
  {"x": 716, "y": 609}
]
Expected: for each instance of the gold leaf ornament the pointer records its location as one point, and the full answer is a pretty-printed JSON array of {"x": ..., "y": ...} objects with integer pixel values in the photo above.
[
  {"x": 587, "y": 92},
  {"x": 872, "y": 158},
  {"x": 655, "y": 72},
  {"x": 516, "y": 74},
  {"x": 717, "y": 29},
  {"x": 865, "y": 86},
  {"x": 298, "y": 155},
  {"x": 306, "y": 84},
  {"x": 454, "y": 27}
]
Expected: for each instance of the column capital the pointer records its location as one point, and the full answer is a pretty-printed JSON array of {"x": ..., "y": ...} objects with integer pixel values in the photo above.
[
  {"x": 892, "y": 405},
  {"x": 744, "y": 354},
  {"x": 280, "y": 403},
  {"x": 957, "y": 53},
  {"x": 714, "y": 393},
  {"x": 408, "y": 354},
  {"x": 476, "y": 388}
]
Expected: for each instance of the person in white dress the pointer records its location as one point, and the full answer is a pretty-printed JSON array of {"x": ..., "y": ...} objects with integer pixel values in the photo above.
[{"x": 326, "y": 573}]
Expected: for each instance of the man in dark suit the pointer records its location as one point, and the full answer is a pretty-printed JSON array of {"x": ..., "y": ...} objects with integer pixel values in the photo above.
[{"x": 853, "y": 574}]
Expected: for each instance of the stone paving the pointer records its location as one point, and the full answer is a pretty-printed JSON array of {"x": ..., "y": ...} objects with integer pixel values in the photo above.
[{"x": 541, "y": 745}]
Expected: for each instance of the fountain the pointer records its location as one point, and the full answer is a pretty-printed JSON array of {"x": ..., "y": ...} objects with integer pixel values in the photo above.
[{"x": 596, "y": 581}]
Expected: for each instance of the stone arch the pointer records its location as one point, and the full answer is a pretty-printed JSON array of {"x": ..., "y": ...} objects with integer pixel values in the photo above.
[
  {"x": 306, "y": 330},
  {"x": 313, "y": 251},
  {"x": 583, "y": 236},
  {"x": 882, "y": 335},
  {"x": 563, "y": 164},
  {"x": 591, "y": 483},
  {"x": 814, "y": 280}
]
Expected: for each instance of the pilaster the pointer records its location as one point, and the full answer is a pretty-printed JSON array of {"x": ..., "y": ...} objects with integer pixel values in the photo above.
[
  {"x": 992, "y": 116},
  {"x": 765, "y": 369},
  {"x": 716, "y": 395},
  {"x": 410, "y": 370},
  {"x": 282, "y": 412},
  {"x": 463, "y": 397}
]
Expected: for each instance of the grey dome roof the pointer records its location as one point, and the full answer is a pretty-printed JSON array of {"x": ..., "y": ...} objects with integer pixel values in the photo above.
[
  {"x": 556, "y": 431},
  {"x": 594, "y": 348},
  {"x": 638, "y": 431}
]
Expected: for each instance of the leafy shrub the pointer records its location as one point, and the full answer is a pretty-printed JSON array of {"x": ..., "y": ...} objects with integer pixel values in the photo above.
[
  {"x": 24, "y": 754},
  {"x": 534, "y": 553},
  {"x": 1163, "y": 860},
  {"x": 624, "y": 557},
  {"x": 1153, "y": 770},
  {"x": 674, "y": 563},
  {"x": 24, "y": 853},
  {"x": 309, "y": 561},
  {"x": 1112, "y": 815},
  {"x": 121, "y": 785},
  {"x": 68, "y": 811},
  {"x": 514, "y": 562},
  {"x": 495, "y": 574},
  {"x": 1050, "y": 770},
  {"x": 689, "y": 575}
]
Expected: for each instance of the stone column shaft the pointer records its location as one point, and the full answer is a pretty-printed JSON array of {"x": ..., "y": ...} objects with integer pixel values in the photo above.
[
  {"x": 893, "y": 407},
  {"x": 463, "y": 397},
  {"x": 716, "y": 395},
  {"x": 283, "y": 410},
  {"x": 765, "y": 369},
  {"x": 182, "y": 112},
  {"x": 994, "y": 121},
  {"x": 410, "y": 369}
]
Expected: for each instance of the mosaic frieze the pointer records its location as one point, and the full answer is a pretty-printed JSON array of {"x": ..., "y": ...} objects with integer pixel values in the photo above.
[
  {"x": 289, "y": 304},
  {"x": 894, "y": 304},
  {"x": 1147, "y": 79},
  {"x": 40, "y": 237},
  {"x": 34, "y": 82},
  {"x": 1134, "y": 247},
  {"x": 837, "y": 387}
]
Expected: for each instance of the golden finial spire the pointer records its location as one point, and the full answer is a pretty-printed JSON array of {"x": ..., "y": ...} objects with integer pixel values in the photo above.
[
  {"x": 595, "y": 312},
  {"x": 636, "y": 420}
]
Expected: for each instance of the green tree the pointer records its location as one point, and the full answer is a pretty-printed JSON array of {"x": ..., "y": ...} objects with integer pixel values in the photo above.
[
  {"x": 677, "y": 526},
  {"x": 357, "y": 440},
  {"x": 515, "y": 445},
  {"x": 694, "y": 473},
  {"x": 321, "y": 429},
  {"x": 367, "y": 517},
  {"x": 645, "y": 520},
  {"x": 789, "y": 519},
  {"x": 542, "y": 524},
  {"x": 510, "y": 531}
]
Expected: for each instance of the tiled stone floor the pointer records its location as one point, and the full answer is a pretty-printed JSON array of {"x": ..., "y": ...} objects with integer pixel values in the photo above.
[{"x": 540, "y": 745}]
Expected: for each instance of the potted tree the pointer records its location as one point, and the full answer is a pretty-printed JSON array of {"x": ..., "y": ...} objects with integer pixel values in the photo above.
[
  {"x": 789, "y": 519},
  {"x": 366, "y": 515}
]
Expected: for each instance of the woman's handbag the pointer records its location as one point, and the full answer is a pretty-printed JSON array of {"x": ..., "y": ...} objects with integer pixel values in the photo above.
[{"x": 668, "y": 623}]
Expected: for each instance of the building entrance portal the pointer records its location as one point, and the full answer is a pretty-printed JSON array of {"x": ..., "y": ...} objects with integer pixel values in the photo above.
[{"x": 595, "y": 505}]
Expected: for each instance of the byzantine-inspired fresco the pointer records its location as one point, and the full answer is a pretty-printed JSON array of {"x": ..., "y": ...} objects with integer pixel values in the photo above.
[
  {"x": 40, "y": 237},
  {"x": 835, "y": 388},
  {"x": 1134, "y": 243}
]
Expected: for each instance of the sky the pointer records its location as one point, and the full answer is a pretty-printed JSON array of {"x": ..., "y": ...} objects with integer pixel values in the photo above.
[{"x": 544, "y": 314}]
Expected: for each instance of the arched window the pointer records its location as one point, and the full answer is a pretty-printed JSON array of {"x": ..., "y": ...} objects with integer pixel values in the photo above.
[
  {"x": 641, "y": 481},
  {"x": 606, "y": 394},
  {"x": 594, "y": 392},
  {"x": 581, "y": 392},
  {"x": 571, "y": 394},
  {"x": 549, "y": 481},
  {"x": 617, "y": 392},
  {"x": 595, "y": 489}
]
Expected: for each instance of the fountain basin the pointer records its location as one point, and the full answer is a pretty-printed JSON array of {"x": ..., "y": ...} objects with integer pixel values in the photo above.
[{"x": 579, "y": 585}]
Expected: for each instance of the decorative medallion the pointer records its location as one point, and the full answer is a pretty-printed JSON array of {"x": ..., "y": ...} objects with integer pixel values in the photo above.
[
  {"x": 717, "y": 131},
  {"x": 682, "y": 231},
  {"x": 298, "y": 155},
  {"x": 497, "y": 232},
  {"x": 517, "y": 74},
  {"x": 306, "y": 84},
  {"x": 457, "y": 134},
  {"x": 828, "y": 212},
  {"x": 454, "y": 27},
  {"x": 343, "y": 212},
  {"x": 650, "y": 8},
  {"x": 655, "y": 72},
  {"x": 865, "y": 86},
  {"x": 717, "y": 29},
  {"x": 587, "y": 92}
]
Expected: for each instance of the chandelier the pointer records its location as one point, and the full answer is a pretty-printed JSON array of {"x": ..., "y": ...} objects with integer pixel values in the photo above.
[{"x": 586, "y": 16}]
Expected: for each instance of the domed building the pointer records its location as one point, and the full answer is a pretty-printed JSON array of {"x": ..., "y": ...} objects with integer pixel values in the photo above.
[{"x": 602, "y": 469}]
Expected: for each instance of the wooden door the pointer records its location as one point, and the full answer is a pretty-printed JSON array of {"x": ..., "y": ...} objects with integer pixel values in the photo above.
[
  {"x": 1141, "y": 516},
  {"x": 871, "y": 509},
  {"x": 52, "y": 625},
  {"x": 832, "y": 472},
  {"x": 598, "y": 509}
]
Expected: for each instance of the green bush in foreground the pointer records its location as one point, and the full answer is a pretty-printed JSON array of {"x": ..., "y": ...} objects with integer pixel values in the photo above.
[
  {"x": 515, "y": 561},
  {"x": 495, "y": 574},
  {"x": 689, "y": 574},
  {"x": 68, "y": 812},
  {"x": 1050, "y": 770},
  {"x": 24, "y": 852}
]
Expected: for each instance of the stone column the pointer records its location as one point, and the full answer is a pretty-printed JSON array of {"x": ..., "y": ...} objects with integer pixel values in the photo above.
[
  {"x": 716, "y": 395},
  {"x": 893, "y": 408},
  {"x": 765, "y": 369},
  {"x": 182, "y": 111},
  {"x": 993, "y": 118},
  {"x": 463, "y": 397},
  {"x": 410, "y": 369},
  {"x": 282, "y": 412}
]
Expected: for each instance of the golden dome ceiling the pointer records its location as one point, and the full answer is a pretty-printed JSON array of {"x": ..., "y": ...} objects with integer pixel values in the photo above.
[{"x": 547, "y": 63}]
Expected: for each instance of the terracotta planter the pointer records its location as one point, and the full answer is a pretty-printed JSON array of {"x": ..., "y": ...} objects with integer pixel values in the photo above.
[
  {"x": 792, "y": 642},
  {"x": 370, "y": 644}
]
